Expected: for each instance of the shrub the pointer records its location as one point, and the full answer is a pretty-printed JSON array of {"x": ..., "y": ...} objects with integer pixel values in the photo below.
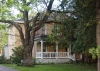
[
  {"x": 8, "y": 61},
  {"x": 2, "y": 59},
  {"x": 17, "y": 55}
]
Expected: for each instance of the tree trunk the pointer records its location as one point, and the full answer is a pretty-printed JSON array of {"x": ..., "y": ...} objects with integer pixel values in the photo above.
[
  {"x": 98, "y": 42},
  {"x": 28, "y": 61},
  {"x": 98, "y": 29},
  {"x": 98, "y": 35},
  {"x": 98, "y": 64},
  {"x": 89, "y": 59},
  {"x": 83, "y": 59}
]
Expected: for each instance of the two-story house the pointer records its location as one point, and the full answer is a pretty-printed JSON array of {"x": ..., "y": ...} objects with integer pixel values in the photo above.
[
  {"x": 43, "y": 51},
  {"x": 47, "y": 52}
]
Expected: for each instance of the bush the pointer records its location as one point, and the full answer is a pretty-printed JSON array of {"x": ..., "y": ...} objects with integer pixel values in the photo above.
[
  {"x": 2, "y": 59},
  {"x": 8, "y": 61},
  {"x": 17, "y": 55}
]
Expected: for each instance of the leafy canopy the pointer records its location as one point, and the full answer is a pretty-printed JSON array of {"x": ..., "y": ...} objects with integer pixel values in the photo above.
[
  {"x": 79, "y": 29},
  {"x": 3, "y": 35}
]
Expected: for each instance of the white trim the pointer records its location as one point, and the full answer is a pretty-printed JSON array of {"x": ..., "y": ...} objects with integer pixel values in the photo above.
[
  {"x": 35, "y": 48},
  {"x": 41, "y": 49},
  {"x": 56, "y": 50}
]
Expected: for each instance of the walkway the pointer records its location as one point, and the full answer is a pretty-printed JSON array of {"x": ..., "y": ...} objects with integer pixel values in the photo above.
[{"x": 2, "y": 68}]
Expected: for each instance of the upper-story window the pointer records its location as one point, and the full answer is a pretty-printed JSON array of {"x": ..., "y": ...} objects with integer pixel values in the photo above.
[
  {"x": 43, "y": 30},
  {"x": 56, "y": 28}
]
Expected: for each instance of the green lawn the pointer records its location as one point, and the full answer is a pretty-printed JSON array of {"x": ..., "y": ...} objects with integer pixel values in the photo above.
[{"x": 55, "y": 67}]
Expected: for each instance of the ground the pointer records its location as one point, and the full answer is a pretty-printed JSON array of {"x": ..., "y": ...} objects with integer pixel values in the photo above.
[
  {"x": 56, "y": 67},
  {"x": 2, "y": 68}
]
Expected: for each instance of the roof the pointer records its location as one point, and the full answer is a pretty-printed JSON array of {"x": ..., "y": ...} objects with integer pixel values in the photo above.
[
  {"x": 54, "y": 17},
  {"x": 21, "y": 20}
]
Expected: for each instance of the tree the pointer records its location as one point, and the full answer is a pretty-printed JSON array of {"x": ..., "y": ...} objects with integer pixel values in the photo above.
[
  {"x": 85, "y": 26},
  {"x": 88, "y": 14},
  {"x": 98, "y": 28},
  {"x": 24, "y": 6},
  {"x": 78, "y": 26}
]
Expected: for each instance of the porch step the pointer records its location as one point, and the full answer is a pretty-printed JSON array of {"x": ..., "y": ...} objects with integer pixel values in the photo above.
[{"x": 64, "y": 60}]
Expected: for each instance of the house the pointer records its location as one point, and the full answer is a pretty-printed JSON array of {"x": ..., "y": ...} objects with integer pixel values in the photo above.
[
  {"x": 43, "y": 51},
  {"x": 46, "y": 52}
]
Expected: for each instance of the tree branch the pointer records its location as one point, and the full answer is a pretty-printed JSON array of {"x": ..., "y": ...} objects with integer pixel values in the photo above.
[
  {"x": 17, "y": 26},
  {"x": 32, "y": 28},
  {"x": 11, "y": 22},
  {"x": 45, "y": 18},
  {"x": 50, "y": 5},
  {"x": 34, "y": 21},
  {"x": 45, "y": 3},
  {"x": 60, "y": 11},
  {"x": 21, "y": 10},
  {"x": 28, "y": 3}
]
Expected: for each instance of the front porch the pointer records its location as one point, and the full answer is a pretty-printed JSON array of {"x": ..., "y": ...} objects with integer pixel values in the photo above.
[
  {"x": 46, "y": 52},
  {"x": 55, "y": 55}
]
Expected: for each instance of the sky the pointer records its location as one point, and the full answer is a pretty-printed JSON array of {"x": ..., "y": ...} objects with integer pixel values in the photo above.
[{"x": 40, "y": 7}]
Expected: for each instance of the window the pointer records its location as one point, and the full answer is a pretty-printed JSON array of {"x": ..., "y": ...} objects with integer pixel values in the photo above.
[
  {"x": 44, "y": 47},
  {"x": 43, "y": 30},
  {"x": 56, "y": 29}
]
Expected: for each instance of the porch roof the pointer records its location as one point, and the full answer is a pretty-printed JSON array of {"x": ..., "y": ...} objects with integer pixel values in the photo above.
[{"x": 40, "y": 37}]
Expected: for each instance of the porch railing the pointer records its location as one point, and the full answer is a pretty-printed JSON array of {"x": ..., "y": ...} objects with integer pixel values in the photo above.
[{"x": 52, "y": 55}]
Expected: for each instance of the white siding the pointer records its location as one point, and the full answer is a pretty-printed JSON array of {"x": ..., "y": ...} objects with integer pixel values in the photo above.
[{"x": 11, "y": 40}]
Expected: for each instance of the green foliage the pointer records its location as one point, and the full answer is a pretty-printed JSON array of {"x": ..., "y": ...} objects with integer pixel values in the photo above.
[
  {"x": 2, "y": 59},
  {"x": 10, "y": 9},
  {"x": 68, "y": 30},
  {"x": 8, "y": 61},
  {"x": 79, "y": 29},
  {"x": 3, "y": 35},
  {"x": 53, "y": 36},
  {"x": 86, "y": 28},
  {"x": 95, "y": 52},
  {"x": 17, "y": 55},
  {"x": 2, "y": 26},
  {"x": 98, "y": 51}
]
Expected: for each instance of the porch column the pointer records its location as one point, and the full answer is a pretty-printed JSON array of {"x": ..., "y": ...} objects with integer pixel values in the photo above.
[
  {"x": 41, "y": 49},
  {"x": 69, "y": 51},
  {"x": 35, "y": 49},
  {"x": 56, "y": 50}
]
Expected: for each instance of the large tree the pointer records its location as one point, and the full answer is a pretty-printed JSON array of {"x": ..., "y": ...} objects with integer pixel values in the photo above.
[
  {"x": 24, "y": 6},
  {"x": 76, "y": 29},
  {"x": 79, "y": 28},
  {"x": 87, "y": 34}
]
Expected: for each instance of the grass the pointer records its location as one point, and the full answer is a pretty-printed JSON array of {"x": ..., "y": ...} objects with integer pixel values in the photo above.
[{"x": 54, "y": 67}]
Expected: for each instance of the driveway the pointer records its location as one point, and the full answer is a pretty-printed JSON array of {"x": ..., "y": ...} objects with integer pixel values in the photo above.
[{"x": 3, "y": 68}]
